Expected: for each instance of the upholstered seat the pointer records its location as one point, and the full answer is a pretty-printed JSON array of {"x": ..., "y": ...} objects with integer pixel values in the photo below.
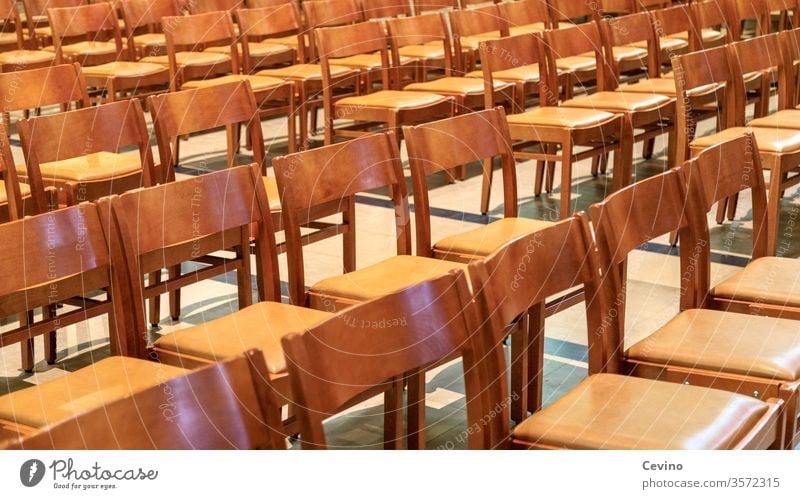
[
  {"x": 667, "y": 43},
  {"x": 87, "y": 48},
  {"x": 663, "y": 86},
  {"x": 150, "y": 39},
  {"x": 123, "y": 69},
  {"x": 474, "y": 41},
  {"x": 427, "y": 51},
  {"x": 289, "y": 41},
  {"x": 26, "y": 57},
  {"x": 365, "y": 61},
  {"x": 303, "y": 72},
  {"x": 94, "y": 386},
  {"x": 257, "y": 49},
  {"x": 260, "y": 326},
  {"x": 485, "y": 240},
  {"x": 258, "y": 83},
  {"x": 773, "y": 140},
  {"x": 453, "y": 85},
  {"x": 619, "y": 101},
  {"x": 24, "y": 189},
  {"x": 528, "y": 73},
  {"x": 190, "y": 59},
  {"x": 93, "y": 167},
  {"x": 273, "y": 193},
  {"x": 725, "y": 342},
  {"x": 576, "y": 63},
  {"x": 785, "y": 118},
  {"x": 769, "y": 280},
  {"x": 561, "y": 117},
  {"x": 391, "y": 99},
  {"x": 390, "y": 275},
  {"x": 609, "y": 411},
  {"x": 709, "y": 35},
  {"x": 623, "y": 53},
  {"x": 526, "y": 29}
]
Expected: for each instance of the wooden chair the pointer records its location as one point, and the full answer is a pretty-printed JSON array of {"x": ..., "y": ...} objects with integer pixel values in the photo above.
[
  {"x": 15, "y": 53},
  {"x": 205, "y": 6},
  {"x": 227, "y": 202},
  {"x": 39, "y": 31},
  {"x": 328, "y": 13},
  {"x": 554, "y": 131},
  {"x": 307, "y": 77},
  {"x": 331, "y": 176},
  {"x": 525, "y": 16},
  {"x": 701, "y": 347},
  {"x": 606, "y": 410},
  {"x": 740, "y": 12},
  {"x": 417, "y": 37},
  {"x": 16, "y": 198},
  {"x": 330, "y": 366},
  {"x": 768, "y": 285},
  {"x": 779, "y": 147},
  {"x": 352, "y": 44},
  {"x": 421, "y": 6},
  {"x": 470, "y": 28},
  {"x": 652, "y": 113},
  {"x": 583, "y": 67},
  {"x": 78, "y": 152},
  {"x": 711, "y": 19},
  {"x": 256, "y": 31},
  {"x": 290, "y": 40},
  {"x": 143, "y": 30},
  {"x": 385, "y": 9},
  {"x": 219, "y": 407},
  {"x": 787, "y": 11}
]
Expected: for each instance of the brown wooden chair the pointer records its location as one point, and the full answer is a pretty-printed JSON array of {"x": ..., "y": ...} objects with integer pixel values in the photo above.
[
  {"x": 331, "y": 366},
  {"x": 357, "y": 44},
  {"x": 554, "y": 130},
  {"x": 786, "y": 10},
  {"x": 15, "y": 44},
  {"x": 779, "y": 147},
  {"x": 768, "y": 285},
  {"x": 711, "y": 18},
  {"x": 525, "y": 16},
  {"x": 226, "y": 203},
  {"x": 740, "y": 12},
  {"x": 37, "y": 22},
  {"x": 417, "y": 37},
  {"x": 384, "y": 9},
  {"x": 328, "y": 13},
  {"x": 307, "y": 77},
  {"x": 701, "y": 347},
  {"x": 79, "y": 152},
  {"x": 606, "y": 410},
  {"x": 143, "y": 30},
  {"x": 422, "y": 6},
  {"x": 331, "y": 176},
  {"x": 219, "y": 407},
  {"x": 89, "y": 35},
  {"x": 257, "y": 28},
  {"x": 205, "y": 6},
  {"x": 470, "y": 28},
  {"x": 17, "y": 198}
]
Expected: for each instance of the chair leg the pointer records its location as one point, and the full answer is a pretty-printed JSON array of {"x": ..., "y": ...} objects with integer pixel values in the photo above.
[
  {"x": 566, "y": 179},
  {"x": 50, "y": 343},
  {"x": 393, "y": 415},
  {"x": 722, "y": 208},
  {"x": 732, "y": 205},
  {"x": 486, "y": 187},
  {"x": 519, "y": 370},
  {"x": 175, "y": 296},
  {"x": 774, "y": 209},
  {"x": 415, "y": 406},
  {"x": 604, "y": 163},
  {"x": 27, "y": 348},
  {"x": 648, "y": 147},
  {"x": 550, "y": 177},
  {"x": 535, "y": 354},
  {"x": 155, "y": 301},
  {"x": 538, "y": 181}
]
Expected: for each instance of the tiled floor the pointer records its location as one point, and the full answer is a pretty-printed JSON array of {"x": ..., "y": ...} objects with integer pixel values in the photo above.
[{"x": 653, "y": 291}]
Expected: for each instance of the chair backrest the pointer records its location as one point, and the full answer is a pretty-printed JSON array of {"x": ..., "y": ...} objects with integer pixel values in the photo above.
[
  {"x": 201, "y": 109},
  {"x": 34, "y": 88},
  {"x": 11, "y": 22},
  {"x": 373, "y": 344},
  {"x": 711, "y": 14},
  {"x": 624, "y": 221},
  {"x": 36, "y": 10},
  {"x": 354, "y": 39},
  {"x": 258, "y": 4},
  {"x": 379, "y": 9},
  {"x": 13, "y": 208},
  {"x": 524, "y": 12},
  {"x": 627, "y": 30},
  {"x": 678, "y": 19},
  {"x": 568, "y": 42},
  {"x": 197, "y": 31},
  {"x": 203, "y": 6},
  {"x": 145, "y": 15},
  {"x": 328, "y": 13},
  {"x": 787, "y": 9},
  {"x": 421, "y": 6},
  {"x": 608, "y": 7},
  {"x": 477, "y": 21},
  {"x": 222, "y": 406},
  {"x": 262, "y": 23},
  {"x": 570, "y": 10},
  {"x": 445, "y": 144},
  {"x": 105, "y": 128},
  {"x": 521, "y": 274},
  {"x": 419, "y": 30},
  {"x": 165, "y": 225},
  {"x": 93, "y": 22},
  {"x": 53, "y": 257},
  {"x": 335, "y": 174},
  {"x": 739, "y": 11},
  {"x": 763, "y": 54}
]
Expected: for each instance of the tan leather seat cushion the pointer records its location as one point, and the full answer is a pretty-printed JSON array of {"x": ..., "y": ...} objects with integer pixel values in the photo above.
[
  {"x": 89, "y": 48},
  {"x": 452, "y": 85},
  {"x": 526, "y": 29},
  {"x": 258, "y": 83},
  {"x": 289, "y": 41},
  {"x": 388, "y": 276},
  {"x": 94, "y": 386},
  {"x": 257, "y": 49},
  {"x": 123, "y": 69},
  {"x": 786, "y": 118},
  {"x": 8, "y": 38},
  {"x": 24, "y": 189},
  {"x": 190, "y": 59},
  {"x": 663, "y": 86},
  {"x": 473, "y": 41},
  {"x": 528, "y": 73},
  {"x": 577, "y": 63},
  {"x": 150, "y": 39},
  {"x": 708, "y": 35},
  {"x": 775, "y": 140},
  {"x": 622, "y": 53},
  {"x": 303, "y": 72},
  {"x": 770, "y": 280},
  {"x": 26, "y": 57},
  {"x": 391, "y": 99},
  {"x": 609, "y": 411},
  {"x": 619, "y": 101},
  {"x": 260, "y": 326},
  {"x": 727, "y": 342},
  {"x": 426, "y": 51},
  {"x": 561, "y": 117},
  {"x": 364, "y": 61},
  {"x": 485, "y": 240},
  {"x": 96, "y": 166},
  {"x": 666, "y": 43}
]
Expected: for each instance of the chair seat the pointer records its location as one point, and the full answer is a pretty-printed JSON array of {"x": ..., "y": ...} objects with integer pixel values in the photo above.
[
  {"x": 709, "y": 35},
  {"x": 623, "y": 53},
  {"x": 387, "y": 276},
  {"x": 663, "y": 86},
  {"x": 365, "y": 61},
  {"x": 666, "y": 42},
  {"x": 577, "y": 63},
  {"x": 273, "y": 193},
  {"x": 260, "y": 326},
  {"x": 725, "y": 342},
  {"x": 526, "y": 29},
  {"x": 453, "y": 85},
  {"x": 427, "y": 51},
  {"x": 303, "y": 72},
  {"x": 561, "y": 117},
  {"x": 774, "y": 140},
  {"x": 26, "y": 57},
  {"x": 609, "y": 411},
  {"x": 92, "y": 167},
  {"x": 485, "y": 240},
  {"x": 24, "y": 189},
  {"x": 7, "y": 38},
  {"x": 257, "y": 49},
  {"x": 94, "y": 386},
  {"x": 190, "y": 59},
  {"x": 769, "y": 280},
  {"x": 786, "y": 118},
  {"x": 258, "y": 83},
  {"x": 474, "y": 41},
  {"x": 89, "y": 48},
  {"x": 529, "y": 74},
  {"x": 124, "y": 69},
  {"x": 289, "y": 41},
  {"x": 150, "y": 39},
  {"x": 392, "y": 99},
  {"x": 619, "y": 101}
]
